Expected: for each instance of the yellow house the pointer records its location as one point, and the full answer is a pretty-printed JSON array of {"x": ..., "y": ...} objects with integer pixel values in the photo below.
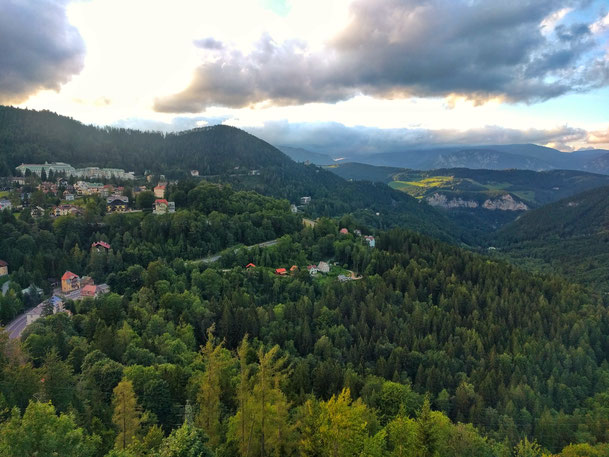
[
  {"x": 3, "y": 268},
  {"x": 69, "y": 282}
]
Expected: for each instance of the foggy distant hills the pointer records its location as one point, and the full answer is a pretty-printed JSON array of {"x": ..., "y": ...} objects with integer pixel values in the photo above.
[{"x": 492, "y": 157}]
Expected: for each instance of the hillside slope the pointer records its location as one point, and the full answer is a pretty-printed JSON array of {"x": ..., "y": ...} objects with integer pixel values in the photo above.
[
  {"x": 570, "y": 237},
  {"x": 220, "y": 153}
]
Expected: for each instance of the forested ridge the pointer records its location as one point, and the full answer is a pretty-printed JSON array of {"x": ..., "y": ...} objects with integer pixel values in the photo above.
[
  {"x": 220, "y": 153},
  {"x": 183, "y": 356},
  {"x": 568, "y": 237}
]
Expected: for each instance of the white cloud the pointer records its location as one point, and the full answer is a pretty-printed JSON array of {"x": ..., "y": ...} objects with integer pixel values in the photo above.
[
  {"x": 548, "y": 25},
  {"x": 600, "y": 26}
]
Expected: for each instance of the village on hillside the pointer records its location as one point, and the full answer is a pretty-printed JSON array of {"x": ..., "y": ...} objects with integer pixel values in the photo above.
[{"x": 58, "y": 189}]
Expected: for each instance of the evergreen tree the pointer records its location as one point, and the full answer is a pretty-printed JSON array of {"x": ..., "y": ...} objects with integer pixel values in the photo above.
[
  {"x": 126, "y": 415},
  {"x": 216, "y": 362}
]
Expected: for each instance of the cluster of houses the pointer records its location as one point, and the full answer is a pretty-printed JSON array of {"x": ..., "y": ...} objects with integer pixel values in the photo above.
[
  {"x": 75, "y": 287},
  {"x": 55, "y": 304},
  {"x": 161, "y": 205},
  {"x": 369, "y": 239},
  {"x": 69, "y": 170},
  {"x": 321, "y": 267}
]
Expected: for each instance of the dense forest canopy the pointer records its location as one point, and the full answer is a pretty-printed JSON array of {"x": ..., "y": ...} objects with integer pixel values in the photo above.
[
  {"x": 413, "y": 347},
  {"x": 430, "y": 338}
]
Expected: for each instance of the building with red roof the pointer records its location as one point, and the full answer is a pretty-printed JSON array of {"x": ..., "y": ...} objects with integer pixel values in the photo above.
[
  {"x": 89, "y": 290},
  {"x": 281, "y": 271},
  {"x": 250, "y": 265},
  {"x": 159, "y": 191},
  {"x": 3, "y": 268},
  {"x": 162, "y": 206},
  {"x": 70, "y": 282},
  {"x": 100, "y": 244}
]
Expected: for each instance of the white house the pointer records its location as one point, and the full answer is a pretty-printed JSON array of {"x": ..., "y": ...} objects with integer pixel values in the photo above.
[
  {"x": 323, "y": 267},
  {"x": 5, "y": 204}
]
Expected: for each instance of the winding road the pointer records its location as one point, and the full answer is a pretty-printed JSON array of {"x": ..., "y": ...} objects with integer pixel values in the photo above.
[
  {"x": 16, "y": 326},
  {"x": 216, "y": 257}
]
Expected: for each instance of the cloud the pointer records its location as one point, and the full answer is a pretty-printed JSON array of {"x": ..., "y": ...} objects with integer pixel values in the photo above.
[
  {"x": 177, "y": 124},
  {"x": 209, "y": 43},
  {"x": 518, "y": 51},
  {"x": 39, "y": 49},
  {"x": 600, "y": 137},
  {"x": 339, "y": 140}
]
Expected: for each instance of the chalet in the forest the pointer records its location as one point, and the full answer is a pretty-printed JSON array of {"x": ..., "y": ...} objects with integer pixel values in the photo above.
[
  {"x": 344, "y": 231},
  {"x": 90, "y": 290},
  {"x": 99, "y": 245},
  {"x": 70, "y": 282},
  {"x": 66, "y": 210},
  {"x": 117, "y": 204},
  {"x": 323, "y": 267},
  {"x": 250, "y": 265},
  {"x": 159, "y": 191},
  {"x": 293, "y": 268},
  {"x": 162, "y": 206},
  {"x": 312, "y": 270},
  {"x": 37, "y": 212},
  {"x": 3, "y": 268},
  {"x": 5, "y": 204},
  {"x": 281, "y": 271}
]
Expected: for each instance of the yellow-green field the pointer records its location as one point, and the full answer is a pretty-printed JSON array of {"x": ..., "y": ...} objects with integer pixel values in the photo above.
[
  {"x": 3, "y": 193},
  {"x": 419, "y": 187}
]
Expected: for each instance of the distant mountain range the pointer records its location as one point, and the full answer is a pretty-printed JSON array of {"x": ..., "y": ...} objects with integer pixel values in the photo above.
[
  {"x": 493, "y": 157},
  {"x": 490, "y": 198}
]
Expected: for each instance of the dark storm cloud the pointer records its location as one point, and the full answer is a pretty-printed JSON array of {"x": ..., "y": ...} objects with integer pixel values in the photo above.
[
  {"x": 397, "y": 48},
  {"x": 339, "y": 140},
  {"x": 39, "y": 49}
]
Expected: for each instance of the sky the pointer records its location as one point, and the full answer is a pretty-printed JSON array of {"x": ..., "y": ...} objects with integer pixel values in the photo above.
[{"x": 328, "y": 75}]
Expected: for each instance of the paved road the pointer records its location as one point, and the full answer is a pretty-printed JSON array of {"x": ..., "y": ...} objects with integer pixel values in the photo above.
[
  {"x": 17, "y": 326},
  {"x": 5, "y": 287},
  {"x": 216, "y": 257}
]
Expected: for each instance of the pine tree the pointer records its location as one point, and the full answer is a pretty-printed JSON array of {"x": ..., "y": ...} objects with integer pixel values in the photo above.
[
  {"x": 210, "y": 390},
  {"x": 126, "y": 414},
  {"x": 426, "y": 431},
  {"x": 261, "y": 425}
]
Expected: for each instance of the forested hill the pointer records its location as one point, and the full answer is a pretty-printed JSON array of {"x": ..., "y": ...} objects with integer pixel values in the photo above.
[
  {"x": 349, "y": 363},
  {"x": 569, "y": 236},
  {"x": 583, "y": 214},
  {"x": 37, "y": 136},
  {"x": 220, "y": 153}
]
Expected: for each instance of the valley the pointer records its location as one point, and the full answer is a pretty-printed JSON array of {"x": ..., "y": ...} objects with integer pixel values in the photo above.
[{"x": 371, "y": 288}]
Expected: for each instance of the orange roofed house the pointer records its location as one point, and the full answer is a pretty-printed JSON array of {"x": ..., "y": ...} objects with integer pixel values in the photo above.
[
  {"x": 90, "y": 290},
  {"x": 281, "y": 271},
  {"x": 159, "y": 191},
  {"x": 69, "y": 282}
]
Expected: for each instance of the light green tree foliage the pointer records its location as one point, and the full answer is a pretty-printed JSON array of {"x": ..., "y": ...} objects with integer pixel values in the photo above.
[
  {"x": 261, "y": 425},
  {"x": 526, "y": 448},
  {"x": 186, "y": 441},
  {"x": 339, "y": 428},
  {"x": 41, "y": 433},
  {"x": 402, "y": 437}
]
